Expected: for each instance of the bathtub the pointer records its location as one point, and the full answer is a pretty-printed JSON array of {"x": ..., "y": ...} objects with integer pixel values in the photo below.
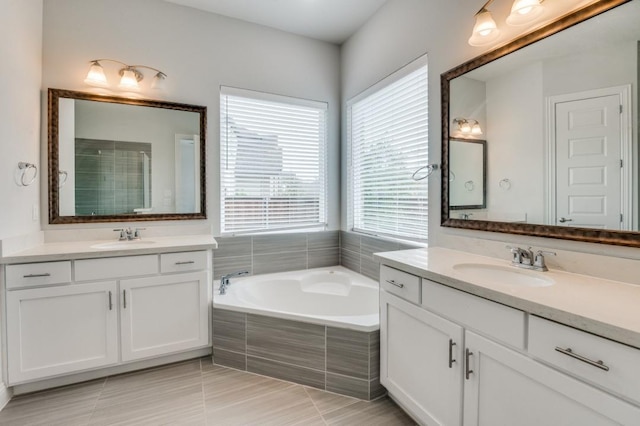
[{"x": 333, "y": 296}]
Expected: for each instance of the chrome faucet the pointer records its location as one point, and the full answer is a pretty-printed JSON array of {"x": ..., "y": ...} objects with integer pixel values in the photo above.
[
  {"x": 525, "y": 258},
  {"x": 127, "y": 234},
  {"x": 225, "y": 280}
]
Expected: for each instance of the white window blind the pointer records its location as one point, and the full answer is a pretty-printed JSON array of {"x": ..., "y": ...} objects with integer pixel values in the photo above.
[
  {"x": 273, "y": 162},
  {"x": 388, "y": 132}
]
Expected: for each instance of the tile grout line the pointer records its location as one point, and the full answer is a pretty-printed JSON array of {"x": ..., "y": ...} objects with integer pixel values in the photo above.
[
  {"x": 204, "y": 402},
  {"x": 315, "y": 405},
  {"x": 95, "y": 404}
]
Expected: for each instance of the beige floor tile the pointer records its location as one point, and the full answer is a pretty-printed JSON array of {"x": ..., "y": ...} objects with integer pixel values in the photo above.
[
  {"x": 195, "y": 393},
  {"x": 184, "y": 405},
  {"x": 327, "y": 401},
  {"x": 291, "y": 406},
  {"x": 69, "y": 405},
  {"x": 228, "y": 387},
  {"x": 146, "y": 386},
  {"x": 382, "y": 412}
]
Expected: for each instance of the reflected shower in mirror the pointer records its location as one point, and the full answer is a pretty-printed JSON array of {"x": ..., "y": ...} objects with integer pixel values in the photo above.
[{"x": 125, "y": 159}]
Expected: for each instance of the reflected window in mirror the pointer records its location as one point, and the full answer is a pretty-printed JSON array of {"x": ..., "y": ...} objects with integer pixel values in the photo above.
[
  {"x": 557, "y": 107},
  {"x": 118, "y": 159}
]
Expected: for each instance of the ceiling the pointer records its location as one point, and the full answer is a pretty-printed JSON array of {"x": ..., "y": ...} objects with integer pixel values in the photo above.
[{"x": 333, "y": 21}]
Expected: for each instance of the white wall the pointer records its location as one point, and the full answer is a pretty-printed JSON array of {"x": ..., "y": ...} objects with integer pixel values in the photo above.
[
  {"x": 405, "y": 29},
  {"x": 199, "y": 52},
  {"x": 20, "y": 75},
  {"x": 515, "y": 154}
]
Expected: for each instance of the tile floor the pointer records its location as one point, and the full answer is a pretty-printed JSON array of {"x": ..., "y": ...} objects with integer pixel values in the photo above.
[{"x": 196, "y": 392}]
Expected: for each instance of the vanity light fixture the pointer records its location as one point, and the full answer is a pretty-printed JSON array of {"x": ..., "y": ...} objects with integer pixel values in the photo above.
[
  {"x": 524, "y": 11},
  {"x": 130, "y": 75},
  {"x": 485, "y": 29},
  {"x": 467, "y": 126}
]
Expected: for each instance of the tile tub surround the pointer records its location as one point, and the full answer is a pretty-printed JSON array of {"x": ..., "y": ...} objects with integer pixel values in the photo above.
[
  {"x": 263, "y": 254},
  {"x": 329, "y": 358},
  {"x": 356, "y": 252}
]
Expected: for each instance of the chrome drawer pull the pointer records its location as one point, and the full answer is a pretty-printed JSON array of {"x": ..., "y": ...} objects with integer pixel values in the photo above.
[
  {"x": 451, "y": 360},
  {"x": 468, "y": 370},
  {"x": 598, "y": 364},
  {"x": 110, "y": 302},
  {"x": 187, "y": 262},
  {"x": 392, "y": 282},
  {"x": 46, "y": 274},
  {"x": 124, "y": 299}
]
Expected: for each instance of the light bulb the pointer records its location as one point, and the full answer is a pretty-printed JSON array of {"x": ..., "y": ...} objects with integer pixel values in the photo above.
[
  {"x": 129, "y": 79},
  {"x": 158, "y": 81},
  {"x": 524, "y": 11},
  {"x": 485, "y": 29},
  {"x": 95, "y": 76}
]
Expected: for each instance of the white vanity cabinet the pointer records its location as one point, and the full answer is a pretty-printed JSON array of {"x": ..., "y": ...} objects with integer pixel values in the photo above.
[
  {"x": 420, "y": 360},
  {"x": 505, "y": 387},
  {"x": 163, "y": 314},
  {"x": 451, "y": 358},
  {"x": 109, "y": 311},
  {"x": 62, "y": 329}
]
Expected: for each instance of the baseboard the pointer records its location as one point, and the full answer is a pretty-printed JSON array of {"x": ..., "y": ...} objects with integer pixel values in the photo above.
[
  {"x": 5, "y": 395},
  {"x": 104, "y": 372}
]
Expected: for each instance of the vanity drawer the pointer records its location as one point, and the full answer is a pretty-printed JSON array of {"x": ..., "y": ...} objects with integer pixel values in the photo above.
[
  {"x": 115, "y": 267},
  {"x": 489, "y": 318},
  {"x": 38, "y": 274},
  {"x": 579, "y": 353},
  {"x": 186, "y": 261},
  {"x": 400, "y": 283}
]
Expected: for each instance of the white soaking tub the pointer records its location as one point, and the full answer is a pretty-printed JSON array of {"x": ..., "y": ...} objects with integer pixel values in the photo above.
[{"x": 333, "y": 296}]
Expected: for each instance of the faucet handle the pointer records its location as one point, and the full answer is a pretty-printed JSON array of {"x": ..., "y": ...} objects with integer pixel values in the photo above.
[
  {"x": 136, "y": 234},
  {"x": 122, "y": 233},
  {"x": 517, "y": 254},
  {"x": 539, "y": 262}
]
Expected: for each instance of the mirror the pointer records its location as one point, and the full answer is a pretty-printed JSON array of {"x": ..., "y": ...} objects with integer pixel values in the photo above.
[
  {"x": 117, "y": 159},
  {"x": 467, "y": 177},
  {"x": 559, "y": 109}
]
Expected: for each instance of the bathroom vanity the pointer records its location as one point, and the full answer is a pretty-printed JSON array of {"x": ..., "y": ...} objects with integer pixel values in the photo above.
[
  {"x": 470, "y": 340},
  {"x": 86, "y": 306}
]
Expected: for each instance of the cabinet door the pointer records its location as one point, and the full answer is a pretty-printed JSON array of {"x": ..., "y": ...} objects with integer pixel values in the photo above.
[
  {"x": 415, "y": 361},
  {"x": 62, "y": 329},
  {"x": 507, "y": 388},
  {"x": 163, "y": 314}
]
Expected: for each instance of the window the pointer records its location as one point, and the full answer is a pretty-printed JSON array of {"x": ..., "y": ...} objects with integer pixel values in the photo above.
[
  {"x": 272, "y": 162},
  {"x": 387, "y": 144}
]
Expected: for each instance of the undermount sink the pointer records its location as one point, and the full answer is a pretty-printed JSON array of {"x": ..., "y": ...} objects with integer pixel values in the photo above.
[
  {"x": 123, "y": 244},
  {"x": 504, "y": 274}
]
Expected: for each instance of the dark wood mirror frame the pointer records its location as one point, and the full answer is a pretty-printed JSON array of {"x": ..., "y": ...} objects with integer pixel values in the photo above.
[
  {"x": 624, "y": 238},
  {"x": 53, "y": 155}
]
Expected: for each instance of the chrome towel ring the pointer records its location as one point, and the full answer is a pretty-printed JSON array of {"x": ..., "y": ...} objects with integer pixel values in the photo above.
[{"x": 25, "y": 167}]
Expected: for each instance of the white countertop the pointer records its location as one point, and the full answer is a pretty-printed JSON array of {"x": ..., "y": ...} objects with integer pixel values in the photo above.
[
  {"x": 48, "y": 252},
  {"x": 607, "y": 308}
]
